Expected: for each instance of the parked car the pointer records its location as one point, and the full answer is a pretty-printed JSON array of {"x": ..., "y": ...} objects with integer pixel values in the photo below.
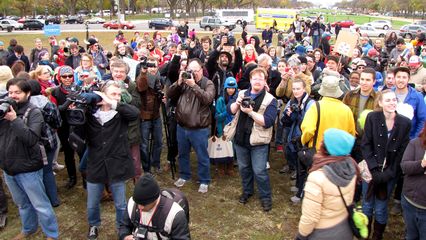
[
  {"x": 34, "y": 24},
  {"x": 53, "y": 20},
  {"x": 420, "y": 22},
  {"x": 5, "y": 23},
  {"x": 381, "y": 24},
  {"x": 343, "y": 23},
  {"x": 410, "y": 30},
  {"x": 370, "y": 31},
  {"x": 115, "y": 25},
  {"x": 95, "y": 20},
  {"x": 74, "y": 20},
  {"x": 161, "y": 23},
  {"x": 208, "y": 23}
]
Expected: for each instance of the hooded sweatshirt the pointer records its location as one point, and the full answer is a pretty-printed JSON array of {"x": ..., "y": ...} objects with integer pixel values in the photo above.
[{"x": 259, "y": 50}]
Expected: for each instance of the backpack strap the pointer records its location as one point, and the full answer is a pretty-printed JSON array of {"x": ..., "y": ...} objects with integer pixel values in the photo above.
[{"x": 42, "y": 148}]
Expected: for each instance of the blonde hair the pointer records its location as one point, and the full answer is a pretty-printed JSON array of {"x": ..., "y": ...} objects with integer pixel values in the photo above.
[{"x": 38, "y": 71}]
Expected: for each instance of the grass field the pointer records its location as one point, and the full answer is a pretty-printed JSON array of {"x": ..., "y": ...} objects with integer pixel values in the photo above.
[{"x": 215, "y": 215}]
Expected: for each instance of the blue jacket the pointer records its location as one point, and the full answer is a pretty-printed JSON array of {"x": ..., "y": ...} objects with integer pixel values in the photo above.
[
  {"x": 222, "y": 116},
  {"x": 415, "y": 99}
]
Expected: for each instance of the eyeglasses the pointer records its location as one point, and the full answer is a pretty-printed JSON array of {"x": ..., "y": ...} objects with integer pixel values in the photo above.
[
  {"x": 46, "y": 73},
  {"x": 67, "y": 76},
  {"x": 85, "y": 60}
]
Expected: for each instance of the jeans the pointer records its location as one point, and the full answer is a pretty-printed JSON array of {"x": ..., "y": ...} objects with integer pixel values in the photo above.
[
  {"x": 279, "y": 131},
  {"x": 49, "y": 179},
  {"x": 252, "y": 165},
  {"x": 315, "y": 41},
  {"x": 147, "y": 127},
  {"x": 29, "y": 195},
  {"x": 94, "y": 195},
  {"x": 415, "y": 220},
  {"x": 3, "y": 199},
  {"x": 374, "y": 205},
  {"x": 197, "y": 138}
]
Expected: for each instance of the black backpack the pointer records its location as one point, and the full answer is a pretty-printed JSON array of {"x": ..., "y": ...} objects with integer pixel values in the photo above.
[{"x": 168, "y": 197}]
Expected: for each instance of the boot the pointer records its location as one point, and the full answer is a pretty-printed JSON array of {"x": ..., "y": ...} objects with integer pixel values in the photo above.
[
  {"x": 221, "y": 169},
  {"x": 370, "y": 221},
  {"x": 71, "y": 182},
  {"x": 379, "y": 229},
  {"x": 230, "y": 169}
]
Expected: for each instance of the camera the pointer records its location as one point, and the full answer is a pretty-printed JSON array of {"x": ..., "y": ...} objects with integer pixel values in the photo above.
[
  {"x": 184, "y": 47},
  {"x": 294, "y": 107},
  {"x": 246, "y": 102},
  {"x": 187, "y": 74},
  {"x": 140, "y": 233},
  {"x": 157, "y": 89},
  {"x": 5, "y": 104}
]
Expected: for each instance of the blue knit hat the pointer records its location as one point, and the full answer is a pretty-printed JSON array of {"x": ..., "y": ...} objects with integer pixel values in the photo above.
[
  {"x": 338, "y": 142},
  {"x": 230, "y": 82}
]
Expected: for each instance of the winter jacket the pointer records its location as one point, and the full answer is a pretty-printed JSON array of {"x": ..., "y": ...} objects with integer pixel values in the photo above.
[
  {"x": 222, "y": 116},
  {"x": 98, "y": 59},
  {"x": 322, "y": 206},
  {"x": 376, "y": 146},
  {"x": 414, "y": 175},
  {"x": 19, "y": 142},
  {"x": 193, "y": 103},
  {"x": 418, "y": 77},
  {"x": 257, "y": 47},
  {"x": 110, "y": 159},
  {"x": 415, "y": 99},
  {"x": 333, "y": 114}
]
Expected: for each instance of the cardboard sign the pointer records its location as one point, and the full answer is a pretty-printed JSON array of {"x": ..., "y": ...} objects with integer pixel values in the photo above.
[
  {"x": 52, "y": 30},
  {"x": 345, "y": 43}
]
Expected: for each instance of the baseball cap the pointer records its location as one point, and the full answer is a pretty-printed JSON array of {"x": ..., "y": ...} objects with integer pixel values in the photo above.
[{"x": 414, "y": 60}]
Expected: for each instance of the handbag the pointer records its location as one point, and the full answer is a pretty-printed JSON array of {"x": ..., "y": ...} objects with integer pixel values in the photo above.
[
  {"x": 230, "y": 128},
  {"x": 306, "y": 154},
  {"x": 364, "y": 171},
  {"x": 220, "y": 150},
  {"x": 358, "y": 221}
]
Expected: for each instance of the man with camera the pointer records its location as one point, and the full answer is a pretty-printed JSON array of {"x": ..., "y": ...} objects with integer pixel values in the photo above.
[
  {"x": 149, "y": 85},
  {"x": 151, "y": 215},
  {"x": 256, "y": 110},
  {"x": 22, "y": 161},
  {"x": 194, "y": 94}
]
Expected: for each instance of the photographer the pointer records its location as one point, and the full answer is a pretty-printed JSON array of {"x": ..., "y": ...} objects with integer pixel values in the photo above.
[
  {"x": 109, "y": 159},
  {"x": 149, "y": 85},
  {"x": 194, "y": 94},
  {"x": 148, "y": 209},
  {"x": 292, "y": 119},
  {"x": 202, "y": 52},
  {"x": 257, "y": 110},
  {"x": 21, "y": 160}
]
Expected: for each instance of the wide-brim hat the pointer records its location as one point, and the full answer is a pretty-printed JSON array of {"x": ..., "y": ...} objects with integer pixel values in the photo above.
[
  {"x": 90, "y": 42},
  {"x": 330, "y": 87},
  {"x": 228, "y": 55}
]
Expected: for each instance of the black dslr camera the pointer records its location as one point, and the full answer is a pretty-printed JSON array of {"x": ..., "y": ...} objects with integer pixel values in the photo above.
[
  {"x": 5, "y": 104},
  {"x": 187, "y": 74},
  {"x": 246, "y": 102},
  {"x": 157, "y": 89},
  {"x": 140, "y": 233},
  {"x": 294, "y": 107}
]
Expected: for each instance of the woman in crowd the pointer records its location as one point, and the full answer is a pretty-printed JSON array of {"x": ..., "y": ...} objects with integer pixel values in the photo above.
[
  {"x": 386, "y": 135},
  {"x": 390, "y": 42},
  {"x": 413, "y": 198},
  {"x": 331, "y": 183},
  {"x": 292, "y": 119},
  {"x": 272, "y": 52},
  {"x": 86, "y": 70},
  {"x": 319, "y": 58},
  {"x": 43, "y": 74},
  {"x": 250, "y": 54}
]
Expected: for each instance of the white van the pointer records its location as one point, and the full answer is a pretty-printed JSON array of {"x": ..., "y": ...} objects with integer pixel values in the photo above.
[{"x": 236, "y": 16}]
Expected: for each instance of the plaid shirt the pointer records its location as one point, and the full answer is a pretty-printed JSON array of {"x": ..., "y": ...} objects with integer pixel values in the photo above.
[{"x": 351, "y": 99}]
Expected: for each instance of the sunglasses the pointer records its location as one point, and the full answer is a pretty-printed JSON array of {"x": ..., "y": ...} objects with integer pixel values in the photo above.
[{"x": 67, "y": 76}]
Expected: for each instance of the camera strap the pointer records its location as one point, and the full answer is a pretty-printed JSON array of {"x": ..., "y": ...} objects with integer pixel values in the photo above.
[{"x": 153, "y": 214}]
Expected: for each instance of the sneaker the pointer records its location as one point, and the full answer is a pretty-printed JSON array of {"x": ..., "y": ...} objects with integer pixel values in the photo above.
[
  {"x": 266, "y": 205},
  {"x": 295, "y": 199},
  {"x": 244, "y": 198},
  {"x": 267, "y": 165},
  {"x": 58, "y": 166},
  {"x": 280, "y": 149},
  {"x": 203, "y": 188},
  {"x": 294, "y": 189},
  {"x": 93, "y": 233},
  {"x": 3, "y": 220},
  {"x": 396, "y": 208},
  {"x": 293, "y": 176},
  {"x": 180, "y": 182}
]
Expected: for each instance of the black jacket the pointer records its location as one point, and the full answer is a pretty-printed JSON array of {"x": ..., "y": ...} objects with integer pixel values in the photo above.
[
  {"x": 110, "y": 160},
  {"x": 19, "y": 142},
  {"x": 217, "y": 75},
  {"x": 12, "y": 59},
  {"x": 376, "y": 146}
]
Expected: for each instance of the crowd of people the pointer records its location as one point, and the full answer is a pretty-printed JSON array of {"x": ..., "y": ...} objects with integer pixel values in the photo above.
[{"x": 278, "y": 92}]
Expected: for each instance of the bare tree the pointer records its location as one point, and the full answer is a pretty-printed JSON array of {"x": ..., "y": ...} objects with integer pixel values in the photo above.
[{"x": 172, "y": 4}]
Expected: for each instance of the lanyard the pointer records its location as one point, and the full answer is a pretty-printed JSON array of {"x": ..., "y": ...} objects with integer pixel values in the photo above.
[{"x": 153, "y": 213}]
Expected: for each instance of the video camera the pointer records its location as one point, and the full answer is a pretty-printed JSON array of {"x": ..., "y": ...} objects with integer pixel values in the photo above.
[{"x": 5, "y": 104}]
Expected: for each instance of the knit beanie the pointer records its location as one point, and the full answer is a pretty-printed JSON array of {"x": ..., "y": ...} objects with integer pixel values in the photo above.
[
  {"x": 338, "y": 142},
  {"x": 65, "y": 70},
  {"x": 146, "y": 190}
]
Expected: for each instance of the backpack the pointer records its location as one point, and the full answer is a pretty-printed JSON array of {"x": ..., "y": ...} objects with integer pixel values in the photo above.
[
  {"x": 41, "y": 145},
  {"x": 168, "y": 197}
]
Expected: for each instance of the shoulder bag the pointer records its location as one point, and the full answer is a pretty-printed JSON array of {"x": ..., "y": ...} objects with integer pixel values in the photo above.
[{"x": 306, "y": 154}]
